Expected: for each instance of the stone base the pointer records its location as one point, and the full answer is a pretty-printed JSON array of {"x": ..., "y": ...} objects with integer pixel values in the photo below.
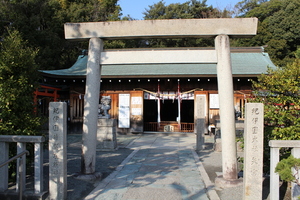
[
  {"x": 88, "y": 177},
  {"x": 218, "y": 145},
  {"x": 223, "y": 183},
  {"x": 107, "y": 146},
  {"x": 107, "y": 135}
]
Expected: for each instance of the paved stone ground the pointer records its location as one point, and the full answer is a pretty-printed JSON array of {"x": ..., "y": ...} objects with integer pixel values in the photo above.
[
  {"x": 149, "y": 166},
  {"x": 77, "y": 189},
  {"x": 161, "y": 167},
  {"x": 106, "y": 163}
]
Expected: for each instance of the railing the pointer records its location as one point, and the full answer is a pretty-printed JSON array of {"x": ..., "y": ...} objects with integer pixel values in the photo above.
[
  {"x": 275, "y": 146},
  {"x": 150, "y": 126},
  {"x": 187, "y": 127},
  {"x": 21, "y": 169},
  {"x": 20, "y": 164}
]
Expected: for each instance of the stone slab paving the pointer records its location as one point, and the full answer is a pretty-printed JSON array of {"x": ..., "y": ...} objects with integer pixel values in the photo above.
[{"x": 161, "y": 167}]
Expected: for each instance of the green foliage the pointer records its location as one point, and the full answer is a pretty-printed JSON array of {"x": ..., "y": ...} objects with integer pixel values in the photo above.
[
  {"x": 87, "y": 11},
  {"x": 18, "y": 80},
  {"x": 279, "y": 29},
  {"x": 192, "y": 9},
  {"x": 245, "y": 6},
  {"x": 284, "y": 167},
  {"x": 172, "y": 11},
  {"x": 279, "y": 90},
  {"x": 41, "y": 23}
]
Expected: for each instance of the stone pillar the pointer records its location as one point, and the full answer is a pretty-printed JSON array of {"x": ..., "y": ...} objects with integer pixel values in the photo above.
[
  {"x": 274, "y": 177},
  {"x": 57, "y": 150},
  {"x": 253, "y": 151},
  {"x": 226, "y": 103},
  {"x": 4, "y": 149},
  {"x": 20, "y": 148},
  {"x": 38, "y": 169},
  {"x": 295, "y": 188},
  {"x": 200, "y": 121},
  {"x": 91, "y": 102}
]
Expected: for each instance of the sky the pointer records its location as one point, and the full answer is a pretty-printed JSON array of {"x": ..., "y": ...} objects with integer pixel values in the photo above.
[{"x": 135, "y": 8}]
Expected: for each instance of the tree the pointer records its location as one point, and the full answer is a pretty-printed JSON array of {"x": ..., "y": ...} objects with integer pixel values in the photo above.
[
  {"x": 279, "y": 29},
  {"x": 279, "y": 90},
  {"x": 245, "y": 6},
  {"x": 38, "y": 24},
  {"x": 18, "y": 80},
  {"x": 172, "y": 11},
  {"x": 41, "y": 23},
  {"x": 192, "y": 9},
  {"x": 284, "y": 169}
]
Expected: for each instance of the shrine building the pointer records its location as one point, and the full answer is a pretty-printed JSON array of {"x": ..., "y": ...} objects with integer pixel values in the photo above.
[{"x": 151, "y": 97}]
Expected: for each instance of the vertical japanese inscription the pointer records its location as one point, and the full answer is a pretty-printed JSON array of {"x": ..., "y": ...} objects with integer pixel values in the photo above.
[
  {"x": 57, "y": 150},
  {"x": 253, "y": 151},
  {"x": 56, "y": 143},
  {"x": 200, "y": 121}
]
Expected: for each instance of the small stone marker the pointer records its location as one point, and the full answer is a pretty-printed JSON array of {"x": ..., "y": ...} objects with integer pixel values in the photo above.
[
  {"x": 253, "y": 162},
  {"x": 58, "y": 150},
  {"x": 200, "y": 121}
]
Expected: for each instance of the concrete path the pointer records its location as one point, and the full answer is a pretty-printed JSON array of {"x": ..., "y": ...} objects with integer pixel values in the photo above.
[{"x": 160, "y": 167}]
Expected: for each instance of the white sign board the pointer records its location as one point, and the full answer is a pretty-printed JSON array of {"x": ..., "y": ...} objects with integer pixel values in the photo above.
[
  {"x": 124, "y": 111},
  {"x": 136, "y": 100},
  {"x": 214, "y": 101}
]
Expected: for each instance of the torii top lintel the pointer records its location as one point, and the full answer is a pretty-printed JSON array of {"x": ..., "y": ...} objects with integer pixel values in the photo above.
[{"x": 171, "y": 28}]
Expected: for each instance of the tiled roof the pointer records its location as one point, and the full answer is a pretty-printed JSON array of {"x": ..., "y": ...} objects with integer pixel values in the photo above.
[{"x": 244, "y": 64}]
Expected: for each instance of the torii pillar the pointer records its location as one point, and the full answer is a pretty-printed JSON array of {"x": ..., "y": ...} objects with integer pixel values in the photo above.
[
  {"x": 227, "y": 118},
  {"x": 91, "y": 102},
  {"x": 221, "y": 29}
]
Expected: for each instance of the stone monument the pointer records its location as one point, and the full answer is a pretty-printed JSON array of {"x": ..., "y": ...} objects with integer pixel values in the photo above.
[
  {"x": 253, "y": 151},
  {"x": 200, "y": 121},
  {"x": 58, "y": 150},
  {"x": 106, "y": 131}
]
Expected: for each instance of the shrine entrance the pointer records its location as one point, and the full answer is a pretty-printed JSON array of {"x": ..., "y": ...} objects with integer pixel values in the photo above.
[
  {"x": 173, "y": 117},
  {"x": 220, "y": 29},
  {"x": 169, "y": 110}
]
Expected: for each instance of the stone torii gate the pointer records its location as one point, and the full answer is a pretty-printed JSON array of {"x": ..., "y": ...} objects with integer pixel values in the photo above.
[{"x": 221, "y": 29}]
